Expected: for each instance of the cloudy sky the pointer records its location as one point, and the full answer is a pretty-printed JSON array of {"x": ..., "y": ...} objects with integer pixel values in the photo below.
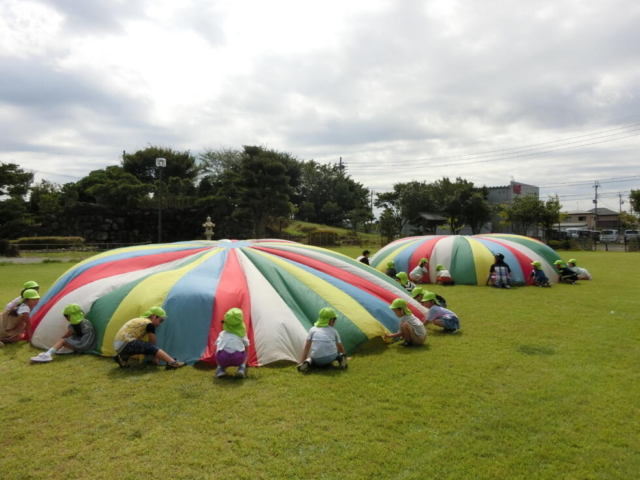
[{"x": 545, "y": 93}]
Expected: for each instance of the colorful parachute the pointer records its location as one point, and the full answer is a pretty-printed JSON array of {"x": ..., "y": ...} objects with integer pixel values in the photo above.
[
  {"x": 468, "y": 258},
  {"x": 280, "y": 286}
]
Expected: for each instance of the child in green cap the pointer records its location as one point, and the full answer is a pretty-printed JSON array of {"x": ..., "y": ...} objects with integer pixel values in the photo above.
[
  {"x": 80, "y": 336},
  {"x": 402, "y": 279},
  {"x": 539, "y": 277},
  {"x": 583, "y": 273},
  {"x": 438, "y": 315},
  {"x": 30, "y": 285},
  {"x": 420, "y": 274},
  {"x": 565, "y": 274},
  {"x": 391, "y": 270},
  {"x": 323, "y": 345},
  {"x": 129, "y": 341},
  {"x": 232, "y": 344},
  {"x": 411, "y": 329},
  {"x": 17, "y": 322},
  {"x": 443, "y": 276}
]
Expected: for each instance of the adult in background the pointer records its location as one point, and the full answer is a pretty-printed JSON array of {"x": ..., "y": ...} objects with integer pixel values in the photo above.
[
  {"x": 16, "y": 322},
  {"x": 364, "y": 258},
  {"x": 499, "y": 273}
]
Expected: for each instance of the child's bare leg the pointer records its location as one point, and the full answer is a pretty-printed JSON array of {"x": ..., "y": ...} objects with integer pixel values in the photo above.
[
  {"x": 406, "y": 331},
  {"x": 164, "y": 356},
  {"x": 439, "y": 323}
]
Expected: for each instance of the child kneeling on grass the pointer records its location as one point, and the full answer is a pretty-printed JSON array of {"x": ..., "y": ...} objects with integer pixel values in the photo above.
[
  {"x": 440, "y": 316},
  {"x": 324, "y": 343},
  {"x": 565, "y": 274},
  {"x": 80, "y": 336},
  {"x": 129, "y": 341},
  {"x": 232, "y": 344},
  {"x": 411, "y": 329}
]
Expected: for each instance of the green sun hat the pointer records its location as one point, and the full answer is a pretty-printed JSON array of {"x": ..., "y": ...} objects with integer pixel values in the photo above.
[
  {"x": 400, "y": 303},
  {"x": 423, "y": 260},
  {"x": 233, "y": 322},
  {"x": 430, "y": 296},
  {"x": 439, "y": 267},
  {"x": 75, "y": 313},
  {"x": 573, "y": 260},
  {"x": 325, "y": 316},
  {"x": 30, "y": 284},
  {"x": 416, "y": 291},
  {"x": 157, "y": 311},
  {"x": 391, "y": 264},
  {"x": 30, "y": 294},
  {"x": 537, "y": 264},
  {"x": 560, "y": 263},
  {"x": 403, "y": 278}
]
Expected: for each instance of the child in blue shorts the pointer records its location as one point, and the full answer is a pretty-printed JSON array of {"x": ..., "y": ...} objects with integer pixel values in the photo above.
[
  {"x": 323, "y": 345},
  {"x": 538, "y": 275},
  {"x": 440, "y": 316}
]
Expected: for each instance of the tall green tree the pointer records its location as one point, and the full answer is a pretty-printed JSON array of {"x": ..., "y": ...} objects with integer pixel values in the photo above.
[
  {"x": 142, "y": 164},
  {"x": 551, "y": 216},
  {"x": 45, "y": 198},
  {"x": 113, "y": 187},
  {"x": 388, "y": 224},
  {"x": 477, "y": 211},
  {"x": 524, "y": 213},
  {"x": 14, "y": 181},
  {"x": 265, "y": 184},
  {"x": 454, "y": 201}
]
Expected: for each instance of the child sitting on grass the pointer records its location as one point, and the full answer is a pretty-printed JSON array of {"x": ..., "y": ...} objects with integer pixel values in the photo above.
[
  {"x": 232, "y": 344},
  {"x": 565, "y": 274},
  {"x": 439, "y": 315},
  {"x": 80, "y": 336},
  {"x": 323, "y": 345},
  {"x": 391, "y": 270},
  {"x": 15, "y": 323},
  {"x": 30, "y": 285},
  {"x": 538, "y": 275},
  {"x": 411, "y": 329}
]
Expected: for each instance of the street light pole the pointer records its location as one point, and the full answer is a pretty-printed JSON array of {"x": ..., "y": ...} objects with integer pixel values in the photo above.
[{"x": 160, "y": 163}]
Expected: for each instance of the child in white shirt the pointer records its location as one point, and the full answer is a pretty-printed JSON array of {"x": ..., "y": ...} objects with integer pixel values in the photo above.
[{"x": 232, "y": 344}]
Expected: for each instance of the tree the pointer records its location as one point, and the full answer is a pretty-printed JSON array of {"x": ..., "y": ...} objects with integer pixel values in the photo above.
[
  {"x": 477, "y": 211},
  {"x": 322, "y": 184},
  {"x": 634, "y": 199},
  {"x": 359, "y": 216},
  {"x": 113, "y": 187},
  {"x": 524, "y": 212},
  {"x": 14, "y": 181},
  {"x": 45, "y": 198},
  {"x": 551, "y": 216},
  {"x": 456, "y": 201},
  {"x": 265, "y": 183},
  {"x": 213, "y": 162},
  {"x": 388, "y": 224},
  {"x": 142, "y": 164},
  {"x": 628, "y": 221}
]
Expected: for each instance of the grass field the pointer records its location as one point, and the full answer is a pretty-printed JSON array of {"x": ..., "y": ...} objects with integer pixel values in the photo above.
[{"x": 539, "y": 384}]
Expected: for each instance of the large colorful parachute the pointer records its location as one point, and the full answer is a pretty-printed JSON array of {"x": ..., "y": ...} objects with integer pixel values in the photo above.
[
  {"x": 468, "y": 258},
  {"x": 279, "y": 285}
]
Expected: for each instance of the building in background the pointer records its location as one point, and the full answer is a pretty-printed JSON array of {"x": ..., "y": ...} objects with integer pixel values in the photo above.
[{"x": 586, "y": 219}]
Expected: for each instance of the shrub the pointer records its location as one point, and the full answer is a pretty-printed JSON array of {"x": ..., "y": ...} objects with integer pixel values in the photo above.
[
  {"x": 37, "y": 243},
  {"x": 8, "y": 250}
]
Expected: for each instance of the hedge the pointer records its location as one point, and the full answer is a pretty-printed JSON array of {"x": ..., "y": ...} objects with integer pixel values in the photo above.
[{"x": 48, "y": 242}]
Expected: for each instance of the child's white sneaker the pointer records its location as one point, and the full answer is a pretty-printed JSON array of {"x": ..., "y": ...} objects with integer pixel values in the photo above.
[{"x": 43, "y": 357}]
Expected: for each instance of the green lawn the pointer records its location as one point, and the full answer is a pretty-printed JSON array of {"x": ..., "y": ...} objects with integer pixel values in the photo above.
[{"x": 539, "y": 384}]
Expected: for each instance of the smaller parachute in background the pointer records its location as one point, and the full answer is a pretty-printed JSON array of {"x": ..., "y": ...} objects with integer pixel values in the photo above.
[{"x": 469, "y": 258}]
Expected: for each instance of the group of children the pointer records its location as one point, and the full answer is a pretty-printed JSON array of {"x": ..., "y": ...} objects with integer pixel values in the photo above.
[{"x": 323, "y": 345}]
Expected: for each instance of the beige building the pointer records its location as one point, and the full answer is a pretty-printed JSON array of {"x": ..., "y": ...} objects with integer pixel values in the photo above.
[{"x": 587, "y": 219}]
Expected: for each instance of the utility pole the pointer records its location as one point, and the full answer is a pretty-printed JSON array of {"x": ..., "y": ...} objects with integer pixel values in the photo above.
[
  {"x": 620, "y": 214},
  {"x": 596, "y": 185},
  {"x": 341, "y": 166}
]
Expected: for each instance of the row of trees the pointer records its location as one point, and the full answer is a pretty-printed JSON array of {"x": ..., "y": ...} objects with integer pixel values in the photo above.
[{"x": 247, "y": 189}]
